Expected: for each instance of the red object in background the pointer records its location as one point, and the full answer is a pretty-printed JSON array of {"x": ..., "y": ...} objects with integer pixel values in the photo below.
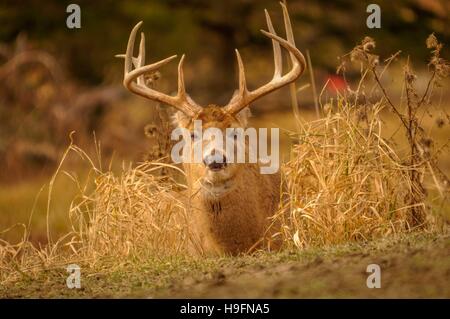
[{"x": 336, "y": 83}]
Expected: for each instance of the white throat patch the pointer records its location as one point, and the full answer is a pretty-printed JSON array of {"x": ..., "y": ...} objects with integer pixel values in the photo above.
[{"x": 217, "y": 189}]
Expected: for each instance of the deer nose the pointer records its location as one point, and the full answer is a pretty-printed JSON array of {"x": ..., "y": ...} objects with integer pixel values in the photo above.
[{"x": 215, "y": 162}]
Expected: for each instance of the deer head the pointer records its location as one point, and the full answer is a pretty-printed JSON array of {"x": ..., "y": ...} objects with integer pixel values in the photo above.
[{"x": 214, "y": 167}]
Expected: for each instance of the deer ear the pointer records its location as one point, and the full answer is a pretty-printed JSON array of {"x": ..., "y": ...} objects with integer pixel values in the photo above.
[
  {"x": 180, "y": 119},
  {"x": 234, "y": 97},
  {"x": 244, "y": 115}
]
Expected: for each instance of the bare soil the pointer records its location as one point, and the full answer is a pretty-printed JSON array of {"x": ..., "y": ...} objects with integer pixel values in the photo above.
[
  {"x": 406, "y": 272},
  {"x": 415, "y": 266}
]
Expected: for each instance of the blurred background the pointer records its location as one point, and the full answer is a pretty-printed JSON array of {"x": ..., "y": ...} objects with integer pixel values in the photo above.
[{"x": 55, "y": 80}]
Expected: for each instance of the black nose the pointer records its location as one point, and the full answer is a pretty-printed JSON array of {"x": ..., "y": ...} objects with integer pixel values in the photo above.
[{"x": 215, "y": 162}]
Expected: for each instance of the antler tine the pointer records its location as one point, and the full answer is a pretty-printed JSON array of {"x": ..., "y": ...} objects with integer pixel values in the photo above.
[
  {"x": 140, "y": 61},
  {"x": 245, "y": 97},
  {"x": 134, "y": 78},
  {"x": 277, "y": 59},
  {"x": 181, "y": 87},
  {"x": 288, "y": 28},
  {"x": 130, "y": 45},
  {"x": 242, "y": 82}
]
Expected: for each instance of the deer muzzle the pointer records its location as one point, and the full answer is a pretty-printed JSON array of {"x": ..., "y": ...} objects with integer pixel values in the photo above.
[{"x": 215, "y": 162}]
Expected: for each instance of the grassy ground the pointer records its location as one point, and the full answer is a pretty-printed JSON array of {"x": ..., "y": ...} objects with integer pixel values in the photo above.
[{"x": 414, "y": 266}]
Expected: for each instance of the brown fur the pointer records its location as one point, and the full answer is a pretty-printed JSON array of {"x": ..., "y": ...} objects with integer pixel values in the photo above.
[{"x": 235, "y": 219}]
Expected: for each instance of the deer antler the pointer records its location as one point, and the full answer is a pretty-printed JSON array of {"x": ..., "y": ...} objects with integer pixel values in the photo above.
[
  {"x": 244, "y": 97},
  {"x": 134, "y": 78}
]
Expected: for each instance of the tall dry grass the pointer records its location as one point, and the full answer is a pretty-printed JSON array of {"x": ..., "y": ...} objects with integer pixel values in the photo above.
[
  {"x": 134, "y": 214},
  {"x": 345, "y": 181}
]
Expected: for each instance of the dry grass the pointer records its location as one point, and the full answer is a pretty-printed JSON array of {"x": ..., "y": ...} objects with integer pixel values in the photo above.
[
  {"x": 136, "y": 214},
  {"x": 346, "y": 182}
]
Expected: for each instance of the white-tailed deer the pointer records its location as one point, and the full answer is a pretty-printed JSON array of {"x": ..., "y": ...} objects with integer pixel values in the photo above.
[{"x": 231, "y": 203}]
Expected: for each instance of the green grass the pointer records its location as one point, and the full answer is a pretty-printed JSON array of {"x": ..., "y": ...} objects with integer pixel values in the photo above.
[
  {"x": 29, "y": 199},
  {"x": 412, "y": 266}
]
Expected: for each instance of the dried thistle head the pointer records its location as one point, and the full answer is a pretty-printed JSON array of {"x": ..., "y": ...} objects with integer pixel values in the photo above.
[
  {"x": 432, "y": 42},
  {"x": 150, "y": 130},
  {"x": 426, "y": 142},
  {"x": 410, "y": 77},
  {"x": 362, "y": 52},
  {"x": 440, "y": 122},
  {"x": 437, "y": 64},
  {"x": 368, "y": 44}
]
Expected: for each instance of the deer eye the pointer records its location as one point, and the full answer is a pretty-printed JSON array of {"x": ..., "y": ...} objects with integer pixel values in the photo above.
[{"x": 232, "y": 134}]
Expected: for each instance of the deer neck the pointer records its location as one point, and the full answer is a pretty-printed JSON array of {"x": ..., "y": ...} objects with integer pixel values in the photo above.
[
  {"x": 226, "y": 197},
  {"x": 228, "y": 213},
  {"x": 216, "y": 190}
]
